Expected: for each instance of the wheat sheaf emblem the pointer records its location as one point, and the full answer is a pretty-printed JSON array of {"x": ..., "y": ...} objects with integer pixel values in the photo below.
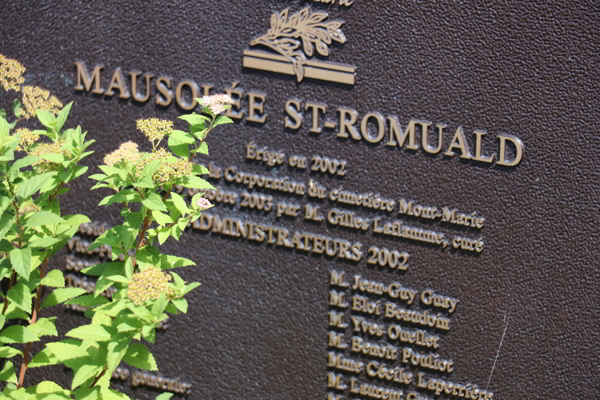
[{"x": 298, "y": 36}]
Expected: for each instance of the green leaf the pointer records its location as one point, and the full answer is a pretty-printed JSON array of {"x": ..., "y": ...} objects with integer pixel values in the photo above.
[
  {"x": 164, "y": 396},
  {"x": 163, "y": 234},
  {"x": 43, "y": 243},
  {"x": 222, "y": 119},
  {"x": 17, "y": 334},
  {"x": 106, "y": 269},
  {"x": 159, "y": 305},
  {"x": 194, "y": 119},
  {"x": 97, "y": 333},
  {"x": 178, "y": 147},
  {"x": 43, "y": 218},
  {"x": 89, "y": 301},
  {"x": 16, "y": 108},
  {"x": 43, "y": 358},
  {"x": 22, "y": 163},
  {"x": 181, "y": 304},
  {"x": 14, "y": 312},
  {"x": 195, "y": 183},
  {"x": 8, "y": 373},
  {"x": 2, "y": 113},
  {"x": 6, "y": 222},
  {"x": 20, "y": 297},
  {"x": 191, "y": 287},
  {"x": 183, "y": 137},
  {"x": 53, "y": 157},
  {"x": 151, "y": 168},
  {"x": 203, "y": 148},
  {"x": 138, "y": 356},
  {"x": 45, "y": 118},
  {"x": 60, "y": 295},
  {"x": 84, "y": 373},
  {"x": 8, "y": 352},
  {"x": 66, "y": 350},
  {"x": 124, "y": 196},
  {"x": 54, "y": 278},
  {"x": 134, "y": 219},
  {"x": 44, "y": 327},
  {"x": 5, "y": 245},
  {"x": 162, "y": 219},
  {"x": 21, "y": 262},
  {"x": 62, "y": 117},
  {"x": 168, "y": 262},
  {"x": 118, "y": 278},
  {"x": 30, "y": 187},
  {"x": 76, "y": 219},
  {"x": 154, "y": 202},
  {"x": 180, "y": 203}
]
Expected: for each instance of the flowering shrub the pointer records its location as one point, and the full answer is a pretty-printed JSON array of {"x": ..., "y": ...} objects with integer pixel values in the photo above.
[{"x": 32, "y": 230}]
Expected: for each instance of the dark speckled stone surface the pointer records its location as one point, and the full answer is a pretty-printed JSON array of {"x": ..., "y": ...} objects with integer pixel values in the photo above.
[{"x": 257, "y": 327}]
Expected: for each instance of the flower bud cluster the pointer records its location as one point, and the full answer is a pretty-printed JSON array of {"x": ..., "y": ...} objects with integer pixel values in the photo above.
[
  {"x": 128, "y": 151},
  {"x": 36, "y": 98},
  {"x": 26, "y": 138},
  {"x": 154, "y": 128},
  {"x": 216, "y": 103},
  {"x": 203, "y": 203},
  {"x": 47, "y": 148},
  {"x": 149, "y": 285},
  {"x": 170, "y": 169},
  {"x": 11, "y": 74}
]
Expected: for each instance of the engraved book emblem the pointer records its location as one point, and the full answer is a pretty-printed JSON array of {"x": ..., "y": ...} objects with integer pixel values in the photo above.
[{"x": 295, "y": 38}]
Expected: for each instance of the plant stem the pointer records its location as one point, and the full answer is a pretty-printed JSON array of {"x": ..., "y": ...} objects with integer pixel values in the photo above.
[
  {"x": 98, "y": 378},
  {"x": 34, "y": 315}
]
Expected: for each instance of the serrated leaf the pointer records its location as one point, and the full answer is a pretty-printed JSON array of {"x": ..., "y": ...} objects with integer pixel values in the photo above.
[
  {"x": 159, "y": 305},
  {"x": 62, "y": 116},
  {"x": 22, "y": 162},
  {"x": 181, "y": 304},
  {"x": 8, "y": 373},
  {"x": 178, "y": 147},
  {"x": 89, "y": 301},
  {"x": 138, "y": 356},
  {"x": 134, "y": 219},
  {"x": 44, "y": 358},
  {"x": 195, "y": 183},
  {"x": 6, "y": 222},
  {"x": 84, "y": 373},
  {"x": 180, "y": 203},
  {"x": 154, "y": 202},
  {"x": 76, "y": 219},
  {"x": 60, "y": 295},
  {"x": 191, "y": 287},
  {"x": 203, "y": 148},
  {"x": 8, "y": 352},
  {"x": 21, "y": 262},
  {"x": 66, "y": 351},
  {"x": 97, "y": 333},
  {"x": 194, "y": 119},
  {"x": 17, "y": 334},
  {"x": 222, "y": 119},
  {"x": 43, "y": 243},
  {"x": 31, "y": 186},
  {"x": 163, "y": 235},
  {"x": 44, "y": 327},
  {"x": 169, "y": 261},
  {"x": 162, "y": 219},
  {"x": 20, "y": 296},
  {"x": 45, "y": 118},
  {"x": 54, "y": 278},
  {"x": 43, "y": 218},
  {"x": 117, "y": 278}
]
